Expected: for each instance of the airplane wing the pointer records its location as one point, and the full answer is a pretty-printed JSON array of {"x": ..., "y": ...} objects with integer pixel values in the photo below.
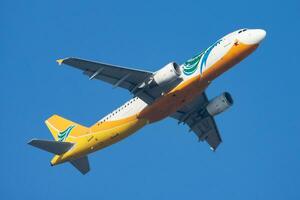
[
  {"x": 127, "y": 78},
  {"x": 199, "y": 121}
]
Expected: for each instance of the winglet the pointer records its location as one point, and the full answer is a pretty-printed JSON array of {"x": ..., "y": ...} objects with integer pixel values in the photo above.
[{"x": 60, "y": 61}]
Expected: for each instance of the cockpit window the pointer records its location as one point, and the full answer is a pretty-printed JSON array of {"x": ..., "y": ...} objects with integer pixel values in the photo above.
[{"x": 243, "y": 30}]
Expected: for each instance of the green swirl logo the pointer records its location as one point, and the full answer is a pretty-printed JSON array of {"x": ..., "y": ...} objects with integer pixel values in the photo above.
[
  {"x": 191, "y": 65},
  {"x": 64, "y": 134}
]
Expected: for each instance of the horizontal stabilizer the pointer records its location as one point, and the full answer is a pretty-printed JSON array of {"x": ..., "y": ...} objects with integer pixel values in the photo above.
[
  {"x": 55, "y": 147},
  {"x": 82, "y": 164}
]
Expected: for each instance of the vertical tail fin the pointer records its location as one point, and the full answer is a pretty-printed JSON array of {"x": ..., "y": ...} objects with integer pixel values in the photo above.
[{"x": 61, "y": 128}]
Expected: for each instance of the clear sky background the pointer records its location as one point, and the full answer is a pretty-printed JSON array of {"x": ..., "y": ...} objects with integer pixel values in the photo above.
[{"x": 259, "y": 156}]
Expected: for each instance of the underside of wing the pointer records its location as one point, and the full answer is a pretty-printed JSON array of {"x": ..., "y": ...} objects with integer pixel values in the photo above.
[
  {"x": 131, "y": 79},
  {"x": 199, "y": 121},
  {"x": 118, "y": 76}
]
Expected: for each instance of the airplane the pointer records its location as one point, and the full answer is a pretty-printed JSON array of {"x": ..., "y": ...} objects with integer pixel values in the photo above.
[{"x": 176, "y": 91}]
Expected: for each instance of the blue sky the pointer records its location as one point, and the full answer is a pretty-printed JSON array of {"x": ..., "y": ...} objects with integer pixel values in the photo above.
[{"x": 259, "y": 158}]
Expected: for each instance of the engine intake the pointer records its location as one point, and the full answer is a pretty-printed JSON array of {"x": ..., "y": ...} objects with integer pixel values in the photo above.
[
  {"x": 167, "y": 74},
  {"x": 219, "y": 104}
]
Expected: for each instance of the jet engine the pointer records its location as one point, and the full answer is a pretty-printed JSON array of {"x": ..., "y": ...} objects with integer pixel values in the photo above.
[
  {"x": 167, "y": 74},
  {"x": 219, "y": 104}
]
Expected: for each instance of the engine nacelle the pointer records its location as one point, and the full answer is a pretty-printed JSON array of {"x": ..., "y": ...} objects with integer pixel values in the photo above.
[
  {"x": 167, "y": 74},
  {"x": 219, "y": 104}
]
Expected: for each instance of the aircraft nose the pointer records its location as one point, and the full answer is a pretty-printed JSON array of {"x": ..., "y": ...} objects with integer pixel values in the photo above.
[
  {"x": 252, "y": 36},
  {"x": 258, "y": 35}
]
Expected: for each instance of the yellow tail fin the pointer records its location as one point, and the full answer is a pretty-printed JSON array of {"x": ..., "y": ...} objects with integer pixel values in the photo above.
[{"x": 61, "y": 128}]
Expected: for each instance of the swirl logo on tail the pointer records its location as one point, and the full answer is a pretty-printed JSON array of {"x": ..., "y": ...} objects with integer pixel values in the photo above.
[{"x": 62, "y": 136}]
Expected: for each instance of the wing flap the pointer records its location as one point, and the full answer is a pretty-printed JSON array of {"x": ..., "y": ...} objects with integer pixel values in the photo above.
[{"x": 206, "y": 130}]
